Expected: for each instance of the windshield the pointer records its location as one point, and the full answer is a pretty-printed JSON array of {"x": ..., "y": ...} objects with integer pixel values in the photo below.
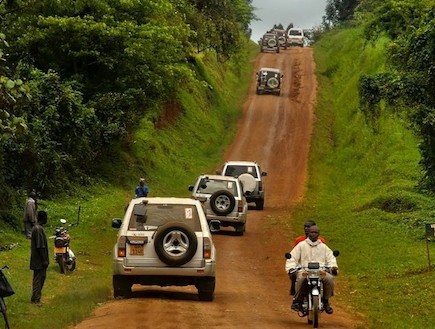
[
  {"x": 150, "y": 216},
  {"x": 210, "y": 186},
  {"x": 295, "y": 32},
  {"x": 236, "y": 171}
]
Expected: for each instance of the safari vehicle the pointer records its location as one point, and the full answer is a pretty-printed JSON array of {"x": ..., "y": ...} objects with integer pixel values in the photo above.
[
  {"x": 269, "y": 42},
  {"x": 296, "y": 37},
  {"x": 282, "y": 37},
  {"x": 223, "y": 200},
  {"x": 269, "y": 81},
  {"x": 252, "y": 177},
  {"x": 165, "y": 242}
]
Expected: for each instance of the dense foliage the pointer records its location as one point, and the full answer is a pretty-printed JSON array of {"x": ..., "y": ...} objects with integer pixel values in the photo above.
[
  {"x": 76, "y": 77},
  {"x": 407, "y": 86}
]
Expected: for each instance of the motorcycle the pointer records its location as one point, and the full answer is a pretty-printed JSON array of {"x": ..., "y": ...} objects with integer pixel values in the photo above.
[
  {"x": 313, "y": 302},
  {"x": 63, "y": 254}
]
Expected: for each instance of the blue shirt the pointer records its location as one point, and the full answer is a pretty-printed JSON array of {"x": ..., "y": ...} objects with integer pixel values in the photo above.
[{"x": 141, "y": 191}]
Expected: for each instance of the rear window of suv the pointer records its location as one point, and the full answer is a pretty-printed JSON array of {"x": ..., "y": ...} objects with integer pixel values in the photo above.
[
  {"x": 239, "y": 170},
  {"x": 210, "y": 186},
  {"x": 151, "y": 216}
]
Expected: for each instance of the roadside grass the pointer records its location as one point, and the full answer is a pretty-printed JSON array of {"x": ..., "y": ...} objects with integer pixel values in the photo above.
[
  {"x": 362, "y": 193},
  {"x": 170, "y": 158}
]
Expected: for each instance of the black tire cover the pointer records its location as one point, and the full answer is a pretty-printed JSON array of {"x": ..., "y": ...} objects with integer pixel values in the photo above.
[
  {"x": 216, "y": 204},
  {"x": 173, "y": 235},
  {"x": 273, "y": 82}
]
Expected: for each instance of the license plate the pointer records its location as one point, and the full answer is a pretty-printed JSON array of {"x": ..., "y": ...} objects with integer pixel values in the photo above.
[
  {"x": 60, "y": 250},
  {"x": 136, "y": 250}
]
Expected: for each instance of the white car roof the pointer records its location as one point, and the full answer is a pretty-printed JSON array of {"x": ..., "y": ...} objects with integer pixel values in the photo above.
[
  {"x": 165, "y": 200},
  {"x": 270, "y": 69},
  {"x": 220, "y": 177},
  {"x": 241, "y": 163}
]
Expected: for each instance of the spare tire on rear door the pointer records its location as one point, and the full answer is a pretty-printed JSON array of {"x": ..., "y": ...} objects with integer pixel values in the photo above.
[
  {"x": 222, "y": 202},
  {"x": 248, "y": 182},
  {"x": 175, "y": 243}
]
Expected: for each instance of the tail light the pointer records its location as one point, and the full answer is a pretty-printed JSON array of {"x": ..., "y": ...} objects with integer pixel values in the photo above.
[
  {"x": 240, "y": 206},
  {"x": 122, "y": 246},
  {"x": 206, "y": 248},
  {"x": 260, "y": 185}
]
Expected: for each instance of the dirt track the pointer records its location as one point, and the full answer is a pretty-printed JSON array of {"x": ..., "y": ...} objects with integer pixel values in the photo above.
[{"x": 252, "y": 287}]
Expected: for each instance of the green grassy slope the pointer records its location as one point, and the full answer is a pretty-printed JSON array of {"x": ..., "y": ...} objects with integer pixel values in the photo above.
[{"x": 362, "y": 192}]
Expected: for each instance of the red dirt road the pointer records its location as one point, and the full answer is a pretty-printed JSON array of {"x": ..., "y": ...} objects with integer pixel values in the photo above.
[{"x": 252, "y": 286}]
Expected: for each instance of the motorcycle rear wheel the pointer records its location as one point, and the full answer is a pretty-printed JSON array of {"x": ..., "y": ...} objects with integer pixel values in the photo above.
[
  {"x": 60, "y": 260},
  {"x": 70, "y": 266}
]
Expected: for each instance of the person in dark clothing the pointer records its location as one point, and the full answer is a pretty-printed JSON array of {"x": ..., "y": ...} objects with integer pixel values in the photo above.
[
  {"x": 39, "y": 257},
  {"x": 141, "y": 190}
]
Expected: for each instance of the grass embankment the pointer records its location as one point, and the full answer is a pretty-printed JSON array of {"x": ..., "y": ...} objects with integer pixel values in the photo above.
[
  {"x": 190, "y": 140},
  {"x": 362, "y": 192}
]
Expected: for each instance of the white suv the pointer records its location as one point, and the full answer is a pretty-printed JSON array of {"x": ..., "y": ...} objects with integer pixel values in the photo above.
[
  {"x": 165, "y": 242},
  {"x": 251, "y": 176},
  {"x": 295, "y": 37},
  {"x": 223, "y": 200}
]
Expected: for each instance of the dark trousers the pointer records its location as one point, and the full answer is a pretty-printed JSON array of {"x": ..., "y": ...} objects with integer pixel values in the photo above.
[{"x": 38, "y": 283}]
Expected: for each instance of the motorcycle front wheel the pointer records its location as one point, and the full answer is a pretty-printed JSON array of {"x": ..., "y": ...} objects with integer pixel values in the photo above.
[
  {"x": 60, "y": 260},
  {"x": 316, "y": 311}
]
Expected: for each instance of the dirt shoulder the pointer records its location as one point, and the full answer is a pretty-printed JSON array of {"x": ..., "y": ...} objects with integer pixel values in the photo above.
[{"x": 252, "y": 287}]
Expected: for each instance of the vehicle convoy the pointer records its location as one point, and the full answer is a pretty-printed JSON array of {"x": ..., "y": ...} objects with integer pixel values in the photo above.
[
  {"x": 282, "y": 37},
  {"x": 313, "y": 302},
  {"x": 63, "y": 254},
  {"x": 269, "y": 43},
  {"x": 296, "y": 37},
  {"x": 223, "y": 200},
  {"x": 252, "y": 177},
  {"x": 164, "y": 242},
  {"x": 269, "y": 81}
]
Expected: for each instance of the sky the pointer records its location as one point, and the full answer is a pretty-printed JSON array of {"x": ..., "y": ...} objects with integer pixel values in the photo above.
[{"x": 302, "y": 13}]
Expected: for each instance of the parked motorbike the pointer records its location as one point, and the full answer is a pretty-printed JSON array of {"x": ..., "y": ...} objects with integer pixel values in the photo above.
[
  {"x": 63, "y": 254},
  {"x": 313, "y": 302}
]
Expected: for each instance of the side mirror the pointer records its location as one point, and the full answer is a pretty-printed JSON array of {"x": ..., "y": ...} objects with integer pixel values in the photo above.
[
  {"x": 288, "y": 255},
  {"x": 190, "y": 188},
  {"x": 263, "y": 173},
  {"x": 218, "y": 172},
  {"x": 336, "y": 253},
  {"x": 116, "y": 222}
]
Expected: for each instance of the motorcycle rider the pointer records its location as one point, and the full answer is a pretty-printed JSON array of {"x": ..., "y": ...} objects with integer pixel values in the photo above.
[
  {"x": 312, "y": 250},
  {"x": 307, "y": 225}
]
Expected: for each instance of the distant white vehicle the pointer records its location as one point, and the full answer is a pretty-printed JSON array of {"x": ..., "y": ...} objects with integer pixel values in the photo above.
[{"x": 296, "y": 37}]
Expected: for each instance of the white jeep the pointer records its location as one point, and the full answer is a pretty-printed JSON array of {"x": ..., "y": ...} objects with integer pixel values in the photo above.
[
  {"x": 165, "y": 242},
  {"x": 251, "y": 175}
]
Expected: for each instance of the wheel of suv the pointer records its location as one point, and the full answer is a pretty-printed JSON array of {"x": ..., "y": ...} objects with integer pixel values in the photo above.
[
  {"x": 222, "y": 202},
  {"x": 175, "y": 243},
  {"x": 259, "y": 204},
  {"x": 206, "y": 287},
  {"x": 121, "y": 286}
]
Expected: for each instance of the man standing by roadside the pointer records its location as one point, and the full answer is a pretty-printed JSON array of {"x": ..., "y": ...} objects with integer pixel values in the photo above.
[
  {"x": 39, "y": 257},
  {"x": 141, "y": 190},
  {"x": 29, "y": 216}
]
